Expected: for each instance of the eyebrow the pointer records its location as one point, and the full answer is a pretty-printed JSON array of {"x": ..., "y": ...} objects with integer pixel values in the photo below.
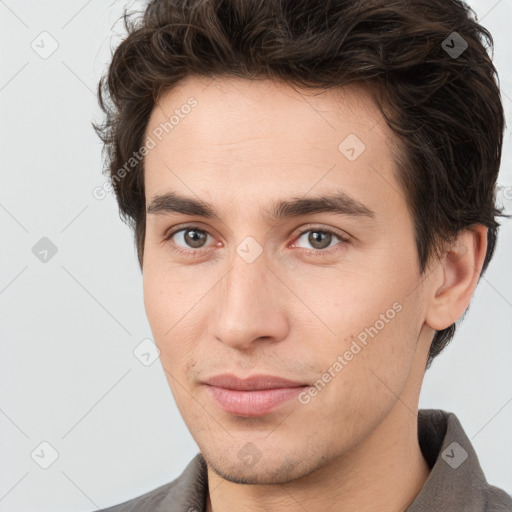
[{"x": 338, "y": 203}]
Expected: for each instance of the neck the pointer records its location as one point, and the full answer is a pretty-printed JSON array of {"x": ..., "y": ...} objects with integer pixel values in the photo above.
[{"x": 385, "y": 472}]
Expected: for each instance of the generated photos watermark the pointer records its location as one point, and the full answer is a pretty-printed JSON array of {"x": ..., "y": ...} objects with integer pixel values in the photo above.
[
  {"x": 100, "y": 192},
  {"x": 358, "y": 344}
]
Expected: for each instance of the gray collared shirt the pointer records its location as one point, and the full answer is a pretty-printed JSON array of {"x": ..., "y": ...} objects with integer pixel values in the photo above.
[{"x": 456, "y": 482}]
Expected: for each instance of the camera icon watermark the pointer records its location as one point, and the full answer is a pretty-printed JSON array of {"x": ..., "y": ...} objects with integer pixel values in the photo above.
[
  {"x": 504, "y": 198},
  {"x": 146, "y": 352},
  {"x": 249, "y": 454},
  {"x": 352, "y": 147},
  {"x": 249, "y": 249},
  {"x": 44, "y": 455},
  {"x": 454, "y": 455},
  {"x": 45, "y": 45},
  {"x": 44, "y": 250},
  {"x": 454, "y": 45}
]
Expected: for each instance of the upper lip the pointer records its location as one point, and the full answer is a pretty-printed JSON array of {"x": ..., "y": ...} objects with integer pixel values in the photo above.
[{"x": 254, "y": 382}]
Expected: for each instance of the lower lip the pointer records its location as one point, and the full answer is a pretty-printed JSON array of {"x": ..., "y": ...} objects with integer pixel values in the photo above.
[{"x": 252, "y": 403}]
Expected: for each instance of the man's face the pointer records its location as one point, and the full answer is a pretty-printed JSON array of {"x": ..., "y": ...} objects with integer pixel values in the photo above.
[{"x": 332, "y": 300}]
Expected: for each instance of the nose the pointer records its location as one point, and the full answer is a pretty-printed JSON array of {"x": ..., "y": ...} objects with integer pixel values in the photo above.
[{"x": 249, "y": 305}]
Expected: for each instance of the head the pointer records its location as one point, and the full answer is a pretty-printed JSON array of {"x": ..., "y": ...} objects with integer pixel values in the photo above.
[{"x": 330, "y": 170}]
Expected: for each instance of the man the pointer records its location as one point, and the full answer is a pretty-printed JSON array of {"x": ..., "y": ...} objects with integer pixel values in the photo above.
[{"x": 312, "y": 190}]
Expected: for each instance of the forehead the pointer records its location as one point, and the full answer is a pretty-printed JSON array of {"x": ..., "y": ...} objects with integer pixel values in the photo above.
[
  {"x": 259, "y": 136},
  {"x": 260, "y": 108}
]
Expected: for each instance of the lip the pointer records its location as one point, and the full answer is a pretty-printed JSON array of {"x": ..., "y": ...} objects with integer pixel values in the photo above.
[
  {"x": 252, "y": 383},
  {"x": 254, "y": 396}
]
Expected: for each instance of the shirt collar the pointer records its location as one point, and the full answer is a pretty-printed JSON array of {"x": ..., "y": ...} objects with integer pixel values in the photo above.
[{"x": 456, "y": 480}]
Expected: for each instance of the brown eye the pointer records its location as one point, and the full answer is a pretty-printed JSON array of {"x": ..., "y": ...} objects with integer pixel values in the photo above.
[
  {"x": 189, "y": 238},
  {"x": 320, "y": 239},
  {"x": 194, "y": 238}
]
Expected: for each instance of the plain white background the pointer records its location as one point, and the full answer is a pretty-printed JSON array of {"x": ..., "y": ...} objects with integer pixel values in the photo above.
[{"x": 69, "y": 326}]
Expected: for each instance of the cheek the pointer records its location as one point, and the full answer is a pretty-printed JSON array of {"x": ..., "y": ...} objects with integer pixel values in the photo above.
[
  {"x": 168, "y": 295},
  {"x": 373, "y": 374},
  {"x": 174, "y": 334},
  {"x": 155, "y": 304},
  {"x": 166, "y": 307},
  {"x": 175, "y": 306},
  {"x": 376, "y": 321}
]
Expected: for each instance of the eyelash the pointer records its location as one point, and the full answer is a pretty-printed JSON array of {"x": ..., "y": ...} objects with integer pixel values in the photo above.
[{"x": 313, "y": 252}]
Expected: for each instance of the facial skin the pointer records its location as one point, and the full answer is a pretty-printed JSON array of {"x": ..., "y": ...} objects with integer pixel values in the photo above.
[{"x": 291, "y": 313}]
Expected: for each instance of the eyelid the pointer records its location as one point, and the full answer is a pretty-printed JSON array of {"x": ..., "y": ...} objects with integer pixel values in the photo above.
[
  {"x": 181, "y": 227},
  {"x": 185, "y": 227},
  {"x": 344, "y": 237},
  {"x": 316, "y": 227}
]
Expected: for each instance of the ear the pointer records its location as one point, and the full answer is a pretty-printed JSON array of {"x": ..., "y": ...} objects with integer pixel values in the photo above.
[{"x": 459, "y": 269}]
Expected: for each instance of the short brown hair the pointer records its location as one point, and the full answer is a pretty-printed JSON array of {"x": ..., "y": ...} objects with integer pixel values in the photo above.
[{"x": 445, "y": 110}]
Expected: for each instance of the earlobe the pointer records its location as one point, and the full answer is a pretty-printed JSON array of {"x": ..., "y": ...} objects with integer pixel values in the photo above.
[{"x": 460, "y": 267}]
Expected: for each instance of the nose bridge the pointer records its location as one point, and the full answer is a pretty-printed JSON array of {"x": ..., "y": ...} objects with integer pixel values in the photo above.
[{"x": 248, "y": 305}]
